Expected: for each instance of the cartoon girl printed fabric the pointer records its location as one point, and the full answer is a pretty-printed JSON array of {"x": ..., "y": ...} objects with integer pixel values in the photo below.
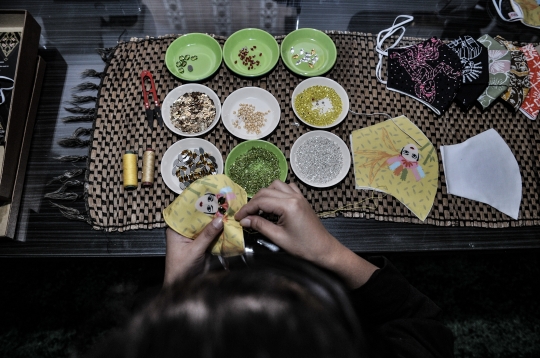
[
  {"x": 395, "y": 157},
  {"x": 204, "y": 199},
  {"x": 474, "y": 58}
]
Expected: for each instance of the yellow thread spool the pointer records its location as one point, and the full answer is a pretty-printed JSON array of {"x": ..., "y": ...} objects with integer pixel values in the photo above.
[
  {"x": 148, "y": 163},
  {"x": 129, "y": 165}
]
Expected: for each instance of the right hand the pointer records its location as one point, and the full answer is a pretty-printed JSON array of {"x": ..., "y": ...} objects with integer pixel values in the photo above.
[
  {"x": 298, "y": 230},
  {"x": 301, "y": 233}
]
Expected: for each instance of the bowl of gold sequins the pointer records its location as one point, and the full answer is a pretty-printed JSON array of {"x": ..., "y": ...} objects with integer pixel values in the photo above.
[
  {"x": 320, "y": 102},
  {"x": 188, "y": 160},
  {"x": 191, "y": 110}
]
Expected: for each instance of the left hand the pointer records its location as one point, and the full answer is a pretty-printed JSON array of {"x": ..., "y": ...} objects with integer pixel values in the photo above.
[{"x": 186, "y": 257}]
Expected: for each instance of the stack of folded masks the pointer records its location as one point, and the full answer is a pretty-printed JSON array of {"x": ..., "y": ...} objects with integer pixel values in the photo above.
[{"x": 467, "y": 71}]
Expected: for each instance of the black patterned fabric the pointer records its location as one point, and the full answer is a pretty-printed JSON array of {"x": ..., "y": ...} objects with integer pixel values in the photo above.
[
  {"x": 429, "y": 72},
  {"x": 475, "y": 60}
]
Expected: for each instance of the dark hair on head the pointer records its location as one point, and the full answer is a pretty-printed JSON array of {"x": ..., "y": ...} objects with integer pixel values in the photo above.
[{"x": 260, "y": 312}]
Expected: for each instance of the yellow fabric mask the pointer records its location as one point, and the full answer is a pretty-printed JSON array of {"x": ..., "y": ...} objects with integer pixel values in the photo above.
[
  {"x": 200, "y": 203},
  {"x": 395, "y": 157}
]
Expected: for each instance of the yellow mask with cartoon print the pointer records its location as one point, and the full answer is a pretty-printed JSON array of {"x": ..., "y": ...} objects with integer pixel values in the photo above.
[
  {"x": 200, "y": 203},
  {"x": 395, "y": 157}
]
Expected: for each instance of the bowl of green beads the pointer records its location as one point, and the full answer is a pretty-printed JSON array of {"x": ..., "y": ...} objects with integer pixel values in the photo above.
[
  {"x": 320, "y": 102},
  {"x": 255, "y": 164}
]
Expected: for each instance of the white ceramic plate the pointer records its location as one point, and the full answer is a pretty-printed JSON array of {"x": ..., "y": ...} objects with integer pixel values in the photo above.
[
  {"x": 167, "y": 162},
  {"x": 323, "y": 81},
  {"x": 262, "y": 100},
  {"x": 345, "y": 153},
  {"x": 179, "y": 91}
]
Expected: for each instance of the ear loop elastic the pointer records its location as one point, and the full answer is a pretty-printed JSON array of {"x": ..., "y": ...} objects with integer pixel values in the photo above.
[
  {"x": 498, "y": 8},
  {"x": 6, "y": 88},
  {"x": 384, "y": 35}
]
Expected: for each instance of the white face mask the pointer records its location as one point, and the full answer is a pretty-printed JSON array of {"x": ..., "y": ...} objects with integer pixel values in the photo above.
[
  {"x": 484, "y": 169},
  {"x": 2, "y": 97}
]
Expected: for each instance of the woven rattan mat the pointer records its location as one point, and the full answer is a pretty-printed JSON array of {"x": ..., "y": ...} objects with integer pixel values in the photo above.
[{"x": 120, "y": 124}]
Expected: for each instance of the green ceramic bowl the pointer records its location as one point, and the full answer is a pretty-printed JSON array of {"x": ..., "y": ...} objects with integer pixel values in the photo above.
[
  {"x": 247, "y": 145},
  {"x": 310, "y": 42},
  {"x": 258, "y": 45},
  {"x": 208, "y": 56}
]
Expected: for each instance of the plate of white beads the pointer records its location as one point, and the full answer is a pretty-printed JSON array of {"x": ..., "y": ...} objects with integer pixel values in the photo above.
[
  {"x": 250, "y": 113},
  {"x": 320, "y": 159}
]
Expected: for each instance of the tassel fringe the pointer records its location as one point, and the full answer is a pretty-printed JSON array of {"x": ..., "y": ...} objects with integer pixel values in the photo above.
[
  {"x": 85, "y": 118},
  {"x": 92, "y": 73},
  {"x": 72, "y": 158},
  {"x": 74, "y": 141},
  {"x": 70, "y": 174},
  {"x": 72, "y": 213},
  {"x": 86, "y": 86},
  {"x": 81, "y": 110},
  {"x": 82, "y": 100},
  {"x": 61, "y": 194},
  {"x": 106, "y": 53}
]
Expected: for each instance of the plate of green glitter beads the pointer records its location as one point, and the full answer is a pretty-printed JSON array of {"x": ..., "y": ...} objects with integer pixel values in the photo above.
[
  {"x": 255, "y": 164},
  {"x": 251, "y": 52},
  {"x": 320, "y": 102},
  {"x": 193, "y": 57},
  {"x": 308, "y": 52}
]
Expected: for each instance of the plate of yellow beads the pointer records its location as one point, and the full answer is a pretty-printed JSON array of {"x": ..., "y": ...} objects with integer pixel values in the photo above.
[
  {"x": 320, "y": 102},
  {"x": 250, "y": 113}
]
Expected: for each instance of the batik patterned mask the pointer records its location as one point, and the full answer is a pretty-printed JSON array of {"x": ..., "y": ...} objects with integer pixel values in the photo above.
[
  {"x": 519, "y": 75},
  {"x": 474, "y": 58},
  {"x": 395, "y": 157},
  {"x": 499, "y": 66},
  {"x": 202, "y": 201},
  {"x": 531, "y": 105}
]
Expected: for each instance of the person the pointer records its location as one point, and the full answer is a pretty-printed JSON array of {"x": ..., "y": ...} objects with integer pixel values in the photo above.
[{"x": 319, "y": 300}]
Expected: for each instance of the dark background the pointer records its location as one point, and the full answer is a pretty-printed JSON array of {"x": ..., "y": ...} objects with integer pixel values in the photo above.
[{"x": 60, "y": 307}]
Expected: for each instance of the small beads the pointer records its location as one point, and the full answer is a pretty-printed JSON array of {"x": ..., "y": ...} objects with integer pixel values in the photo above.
[
  {"x": 319, "y": 160},
  {"x": 255, "y": 169},
  {"x": 253, "y": 120},
  {"x": 318, "y": 105}
]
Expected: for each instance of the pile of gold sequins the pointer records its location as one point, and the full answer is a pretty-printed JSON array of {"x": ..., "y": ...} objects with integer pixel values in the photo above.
[
  {"x": 192, "y": 165},
  {"x": 193, "y": 112}
]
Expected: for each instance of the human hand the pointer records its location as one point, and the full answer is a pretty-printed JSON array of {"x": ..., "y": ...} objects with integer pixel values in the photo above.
[
  {"x": 301, "y": 233},
  {"x": 186, "y": 257},
  {"x": 298, "y": 229}
]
